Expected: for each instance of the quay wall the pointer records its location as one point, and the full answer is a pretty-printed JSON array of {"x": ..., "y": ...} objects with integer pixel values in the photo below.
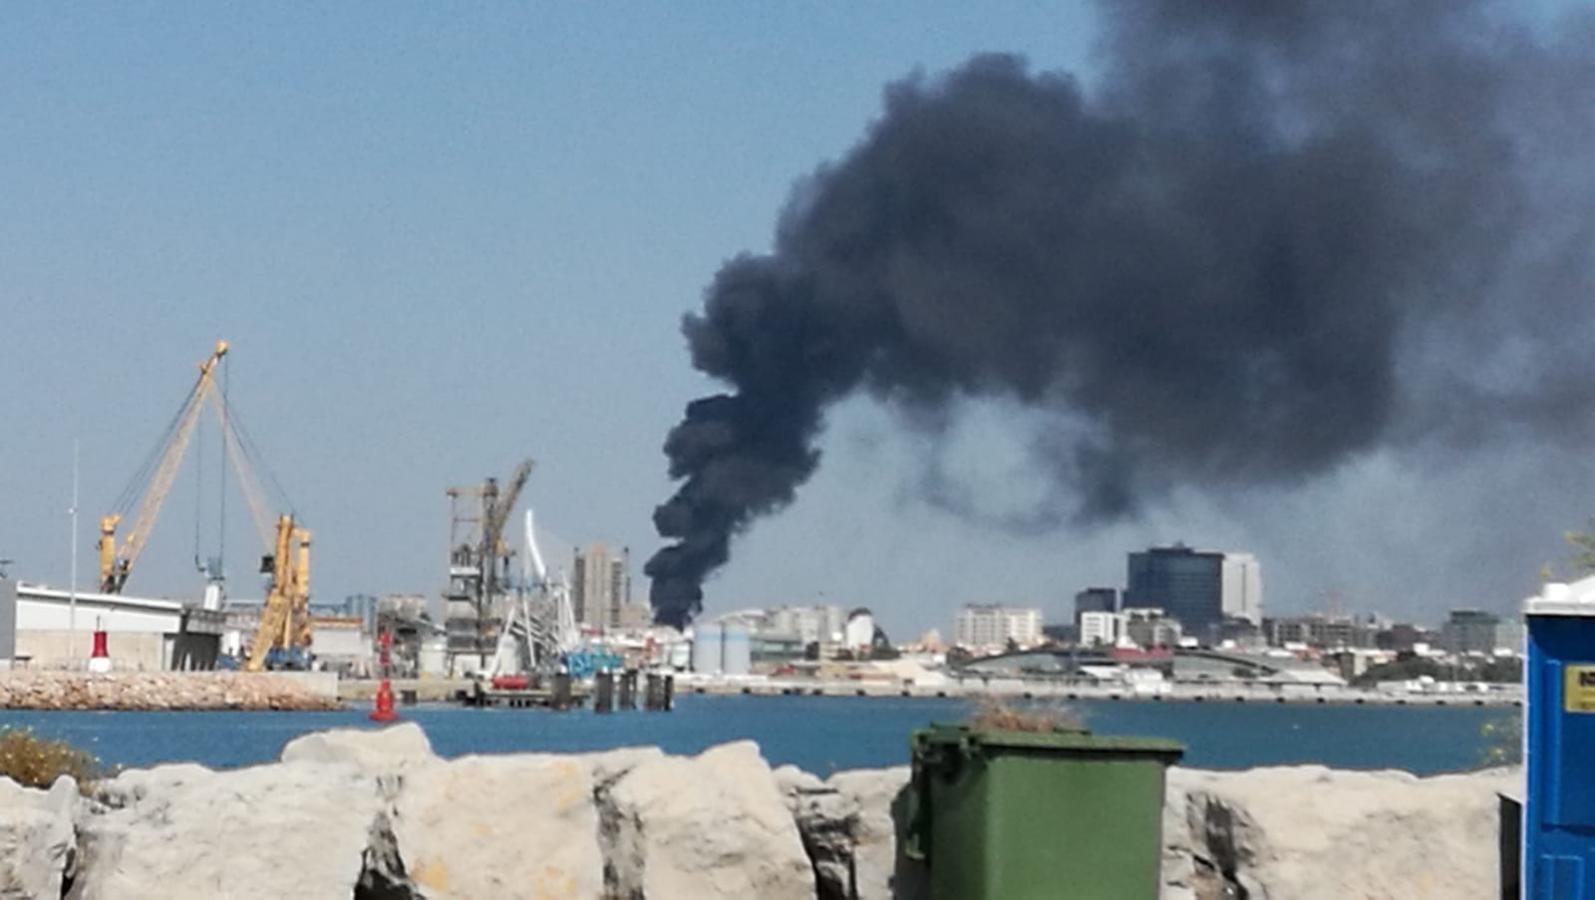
[
  {"x": 44, "y": 689},
  {"x": 1040, "y": 689},
  {"x": 376, "y": 814}
]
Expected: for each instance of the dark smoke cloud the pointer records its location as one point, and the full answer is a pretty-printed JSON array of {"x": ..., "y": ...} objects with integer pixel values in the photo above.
[{"x": 1229, "y": 264}]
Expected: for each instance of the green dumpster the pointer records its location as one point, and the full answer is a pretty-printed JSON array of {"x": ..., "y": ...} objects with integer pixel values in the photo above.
[{"x": 1060, "y": 815}]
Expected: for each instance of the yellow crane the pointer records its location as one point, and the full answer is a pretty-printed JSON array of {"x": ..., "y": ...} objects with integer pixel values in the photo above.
[
  {"x": 285, "y": 618},
  {"x": 116, "y": 563}
]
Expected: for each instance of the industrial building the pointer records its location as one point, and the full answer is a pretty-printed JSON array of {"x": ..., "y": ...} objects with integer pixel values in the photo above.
[
  {"x": 51, "y": 628},
  {"x": 820, "y": 624}
]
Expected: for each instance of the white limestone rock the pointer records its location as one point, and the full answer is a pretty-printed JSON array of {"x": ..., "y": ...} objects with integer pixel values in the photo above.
[
  {"x": 712, "y": 826},
  {"x": 286, "y": 830},
  {"x": 506, "y": 827},
  {"x": 879, "y": 871},
  {"x": 37, "y": 837},
  {"x": 371, "y": 749},
  {"x": 1308, "y": 832}
]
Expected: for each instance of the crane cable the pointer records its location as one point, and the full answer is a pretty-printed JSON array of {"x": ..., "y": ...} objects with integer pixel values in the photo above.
[{"x": 141, "y": 477}]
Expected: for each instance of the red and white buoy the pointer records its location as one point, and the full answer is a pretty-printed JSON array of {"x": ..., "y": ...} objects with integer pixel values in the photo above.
[
  {"x": 100, "y": 656},
  {"x": 382, "y": 706}
]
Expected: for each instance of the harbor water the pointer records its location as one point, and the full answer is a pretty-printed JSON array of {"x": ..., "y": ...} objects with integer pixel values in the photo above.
[{"x": 819, "y": 734}]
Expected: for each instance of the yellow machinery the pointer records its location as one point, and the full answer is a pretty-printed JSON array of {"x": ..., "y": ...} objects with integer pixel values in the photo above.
[
  {"x": 117, "y": 563},
  {"x": 284, "y": 618}
]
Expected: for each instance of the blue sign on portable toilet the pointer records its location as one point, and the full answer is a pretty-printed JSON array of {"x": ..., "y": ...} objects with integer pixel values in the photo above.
[{"x": 1559, "y": 744}]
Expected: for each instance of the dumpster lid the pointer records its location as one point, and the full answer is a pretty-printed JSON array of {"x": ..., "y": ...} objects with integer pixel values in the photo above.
[
  {"x": 1067, "y": 739},
  {"x": 1576, "y": 599}
]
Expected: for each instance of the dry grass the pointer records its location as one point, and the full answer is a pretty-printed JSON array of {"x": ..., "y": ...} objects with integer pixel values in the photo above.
[
  {"x": 33, "y": 761},
  {"x": 993, "y": 714}
]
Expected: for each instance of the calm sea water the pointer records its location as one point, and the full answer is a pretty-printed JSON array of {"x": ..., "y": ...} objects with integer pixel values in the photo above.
[{"x": 820, "y": 734}]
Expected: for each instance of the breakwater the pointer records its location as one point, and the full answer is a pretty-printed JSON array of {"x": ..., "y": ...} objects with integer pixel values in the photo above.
[
  {"x": 147, "y": 691},
  {"x": 376, "y": 814}
]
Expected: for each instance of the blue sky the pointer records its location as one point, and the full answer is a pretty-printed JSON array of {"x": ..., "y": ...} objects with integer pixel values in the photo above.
[{"x": 441, "y": 237}]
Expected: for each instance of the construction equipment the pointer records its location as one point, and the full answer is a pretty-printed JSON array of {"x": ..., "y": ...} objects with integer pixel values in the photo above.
[
  {"x": 116, "y": 563},
  {"x": 283, "y": 637},
  {"x": 540, "y": 633},
  {"x": 479, "y": 569}
]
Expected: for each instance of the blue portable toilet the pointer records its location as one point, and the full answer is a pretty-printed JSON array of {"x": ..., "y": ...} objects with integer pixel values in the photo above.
[{"x": 1559, "y": 744}]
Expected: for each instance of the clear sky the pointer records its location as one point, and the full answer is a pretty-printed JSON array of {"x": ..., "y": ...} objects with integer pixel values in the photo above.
[{"x": 442, "y": 237}]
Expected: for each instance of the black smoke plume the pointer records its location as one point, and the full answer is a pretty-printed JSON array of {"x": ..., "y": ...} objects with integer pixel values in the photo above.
[{"x": 1227, "y": 264}]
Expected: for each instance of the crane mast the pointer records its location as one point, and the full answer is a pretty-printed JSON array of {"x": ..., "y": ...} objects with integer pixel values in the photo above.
[
  {"x": 285, "y": 617},
  {"x": 117, "y": 563},
  {"x": 478, "y": 568}
]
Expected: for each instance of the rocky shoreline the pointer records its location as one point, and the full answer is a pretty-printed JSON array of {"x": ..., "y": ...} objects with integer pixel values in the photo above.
[
  {"x": 376, "y": 815},
  {"x": 134, "y": 691}
]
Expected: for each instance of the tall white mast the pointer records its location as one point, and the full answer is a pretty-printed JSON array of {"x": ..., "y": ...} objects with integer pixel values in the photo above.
[{"x": 72, "y": 590}]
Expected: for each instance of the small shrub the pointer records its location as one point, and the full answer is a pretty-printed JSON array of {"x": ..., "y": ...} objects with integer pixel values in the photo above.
[
  {"x": 1503, "y": 740},
  {"x": 33, "y": 761},
  {"x": 993, "y": 714}
]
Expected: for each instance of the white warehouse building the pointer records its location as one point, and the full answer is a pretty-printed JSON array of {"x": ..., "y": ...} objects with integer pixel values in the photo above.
[{"x": 39, "y": 627}]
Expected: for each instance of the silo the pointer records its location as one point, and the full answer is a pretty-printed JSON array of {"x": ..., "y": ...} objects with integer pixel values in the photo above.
[
  {"x": 706, "y": 640},
  {"x": 736, "y": 656}
]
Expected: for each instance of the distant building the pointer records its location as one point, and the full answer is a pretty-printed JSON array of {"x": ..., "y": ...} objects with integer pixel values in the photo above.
[
  {"x": 1318, "y": 630},
  {"x": 1095, "y": 599},
  {"x": 822, "y": 624},
  {"x": 1186, "y": 584},
  {"x": 995, "y": 626},
  {"x": 601, "y": 586},
  {"x": 1148, "y": 628},
  {"x": 1402, "y": 637},
  {"x": 1476, "y": 631},
  {"x": 1241, "y": 588},
  {"x": 1101, "y": 629}
]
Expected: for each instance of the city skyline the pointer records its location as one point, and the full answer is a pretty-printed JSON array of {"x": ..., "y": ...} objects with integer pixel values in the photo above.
[{"x": 414, "y": 225}]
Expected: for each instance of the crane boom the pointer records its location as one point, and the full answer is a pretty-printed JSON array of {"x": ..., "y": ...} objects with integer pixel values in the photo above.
[
  {"x": 117, "y": 563},
  {"x": 497, "y": 515}
]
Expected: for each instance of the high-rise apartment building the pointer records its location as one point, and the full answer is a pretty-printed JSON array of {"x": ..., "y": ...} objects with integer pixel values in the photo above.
[
  {"x": 1186, "y": 584},
  {"x": 601, "y": 585},
  {"x": 1101, "y": 629},
  {"x": 1095, "y": 599},
  {"x": 995, "y": 626},
  {"x": 1476, "y": 631},
  {"x": 1241, "y": 588}
]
